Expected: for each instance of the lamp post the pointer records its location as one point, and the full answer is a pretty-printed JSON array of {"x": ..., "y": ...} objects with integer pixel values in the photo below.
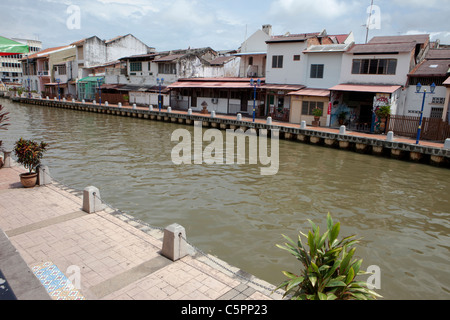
[
  {"x": 159, "y": 82},
  {"x": 254, "y": 84},
  {"x": 418, "y": 87},
  {"x": 99, "y": 91},
  {"x": 59, "y": 93}
]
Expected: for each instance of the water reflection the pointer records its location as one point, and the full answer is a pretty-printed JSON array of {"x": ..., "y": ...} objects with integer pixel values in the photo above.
[{"x": 400, "y": 209}]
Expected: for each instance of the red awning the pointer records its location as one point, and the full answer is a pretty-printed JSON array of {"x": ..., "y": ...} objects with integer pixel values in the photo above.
[{"x": 365, "y": 88}]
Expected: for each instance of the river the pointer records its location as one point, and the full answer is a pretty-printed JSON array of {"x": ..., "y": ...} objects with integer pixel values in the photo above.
[{"x": 399, "y": 209}]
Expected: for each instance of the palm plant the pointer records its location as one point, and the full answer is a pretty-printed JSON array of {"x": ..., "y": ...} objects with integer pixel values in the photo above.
[{"x": 328, "y": 269}]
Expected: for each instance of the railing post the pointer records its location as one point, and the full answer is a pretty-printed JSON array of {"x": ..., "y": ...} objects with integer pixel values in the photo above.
[
  {"x": 91, "y": 200},
  {"x": 174, "y": 243}
]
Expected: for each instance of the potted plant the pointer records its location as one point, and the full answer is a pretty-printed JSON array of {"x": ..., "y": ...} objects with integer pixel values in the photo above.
[
  {"x": 341, "y": 117},
  {"x": 382, "y": 113},
  {"x": 317, "y": 113},
  {"x": 29, "y": 153}
]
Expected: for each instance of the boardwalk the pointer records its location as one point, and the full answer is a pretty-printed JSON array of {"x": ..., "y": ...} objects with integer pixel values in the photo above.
[{"x": 106, "y": 255}]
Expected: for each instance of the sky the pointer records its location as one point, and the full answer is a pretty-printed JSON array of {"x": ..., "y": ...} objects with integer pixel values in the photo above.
[{"x": 219, "y": 24}]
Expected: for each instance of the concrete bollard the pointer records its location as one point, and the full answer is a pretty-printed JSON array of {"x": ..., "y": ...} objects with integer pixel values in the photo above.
[
  {"x": 119, "y": 104},
  {"x": 84, "y": 101},
  {"x": 390, "y": 136},
  {"x": 134, "y": 105},
  {"x": 239, "y": 117},
  {"x": 55, "y": 98},
  {"x": 150, "y": 108},
  {"x": 213, "y": 114},
  {"x": 106, "y": 103},
  {"x": 269, "y": 121},
  {"x": 44, "y": 177},
  {"x": 303, "y": 125},
  {"x": 342, "y": 130},
  {"x": 7, "y": 159},
  {"x": 47, "y": 98},
  {"x": 91, "y": 200},
  {"x": 73, "y": 100},
  {"x": 174, "y": 244},
  {"x": 189, "y": 112},
  {"x": 447, "y": 144},
  {"x": 94, "y": 102},
  {"x": 64, "y": 100},
  {"x": 169, "y": 109}
]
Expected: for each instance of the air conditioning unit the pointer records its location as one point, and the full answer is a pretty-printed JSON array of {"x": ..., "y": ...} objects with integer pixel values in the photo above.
[{"x": 215, "y": 100}]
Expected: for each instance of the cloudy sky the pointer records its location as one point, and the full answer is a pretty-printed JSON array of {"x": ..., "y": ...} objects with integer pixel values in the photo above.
[{"x": 220, "y": 24}]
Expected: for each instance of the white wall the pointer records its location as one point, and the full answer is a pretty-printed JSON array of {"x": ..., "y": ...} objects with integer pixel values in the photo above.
[
  {"x": 256, "y": 42},
  {"x": 332, "y": 69},
  {"x": 413, "y": 102},
  {"x": 400, "y": 77},
  {"x": 125, "y": 46},
  {"x": 293, "y": 72}
]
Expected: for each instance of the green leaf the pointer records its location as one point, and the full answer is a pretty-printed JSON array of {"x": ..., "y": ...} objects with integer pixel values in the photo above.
[
  {"x": 322, "y": 296},
  {"x": 350, "y": 276},
  {"x": 334, "y": 233},
  {"x": 289, "y": 274},
  {"x": 295, "y": 282},
  {"x": 329, "y": 222},
  {"x": 346, "y": 261},
  {"x": 331, "y": 296},
  {"x": 313, "y": 280},
  {"x": 335, "y": 283}
]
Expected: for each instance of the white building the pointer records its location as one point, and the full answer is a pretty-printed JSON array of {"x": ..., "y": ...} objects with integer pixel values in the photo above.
[
  {"x": 11, "y": 66},
  {"x": 372, "y": 75}
]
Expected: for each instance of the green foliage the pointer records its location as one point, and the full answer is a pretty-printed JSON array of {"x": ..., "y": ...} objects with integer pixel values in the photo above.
[
  {"x": 328, "y": 269},
  {"x": 383, "y": 112},
  {"x": 342, "y": 115},
  {"x": 317, "y": 112},
  {"x": 29, "y": 153}
]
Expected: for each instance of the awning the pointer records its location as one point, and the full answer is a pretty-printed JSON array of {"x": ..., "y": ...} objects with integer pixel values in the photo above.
[
  {"x": 365, "y": 88},
  {"x": 311, "y": 92},
  {"x": 289, "y": 87},
  {"x": 138, "y": 88},
  {"x": 10, "y": 47},
  {"x": 212, "y": 84},
  {"x": 90, "y": 79},
  {"x": 55, "y": 84}
]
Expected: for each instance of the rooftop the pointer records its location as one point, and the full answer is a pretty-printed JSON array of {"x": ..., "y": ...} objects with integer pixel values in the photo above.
[
  {"x": 382, "y": 48},
  {"x": 432, "y": 68},
  {"x": 418, "y": 38}
]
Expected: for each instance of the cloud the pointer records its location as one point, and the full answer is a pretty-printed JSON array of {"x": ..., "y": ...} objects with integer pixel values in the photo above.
[{"x": 323, "y": 8}]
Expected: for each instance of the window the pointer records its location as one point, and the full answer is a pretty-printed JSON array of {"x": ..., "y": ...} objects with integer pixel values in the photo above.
[
  {"x": 309, "y": 106},
  {"x": 436, "y": 113},
  {"x": 317, "y": 71},
  {"x": 250, "y": 61},
  {"x": 438, "y": 100},
  {"x": 374, "y": 66},
  {"x": 297, "y": 57},
  {"x": 62, "y": 70},
  {"x": 277, "y": 62},
  {"x": 135, "y": 66},
  {"x": 167, "y": 68}
]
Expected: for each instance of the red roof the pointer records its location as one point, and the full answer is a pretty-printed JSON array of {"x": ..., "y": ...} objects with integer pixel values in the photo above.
[
  {"x": 43, "y": 53},
  {"x": 311, "y": 92}
]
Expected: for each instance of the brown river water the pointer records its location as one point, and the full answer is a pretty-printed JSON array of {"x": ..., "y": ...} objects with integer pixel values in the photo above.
[{"x": 399, "y": 209}]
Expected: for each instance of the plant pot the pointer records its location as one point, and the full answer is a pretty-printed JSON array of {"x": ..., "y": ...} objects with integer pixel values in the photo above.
[{"x": 28, "y": 180}]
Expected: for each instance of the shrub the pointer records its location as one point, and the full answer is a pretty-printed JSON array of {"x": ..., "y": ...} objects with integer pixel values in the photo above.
[
  {"x": 328, "y": 269},
  {"x": 29, "y": 153},
  {"x": 3, "y": 120},
  {"x": 317, "y": 112}
]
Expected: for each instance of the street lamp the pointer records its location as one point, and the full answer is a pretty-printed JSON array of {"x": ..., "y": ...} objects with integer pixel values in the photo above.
[
  {"x": 59, "y": 93},
  {"x": 432, "y": 89},
  {"x": 254, "y": 84},
  {"x": 99, "y": 91},
  {"x": 159, "y": 82}
]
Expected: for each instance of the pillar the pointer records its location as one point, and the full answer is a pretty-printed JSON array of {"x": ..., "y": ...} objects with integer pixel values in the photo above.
[
  {"x": 174, "y": 244},
  {"x": 91, "y": 200}
]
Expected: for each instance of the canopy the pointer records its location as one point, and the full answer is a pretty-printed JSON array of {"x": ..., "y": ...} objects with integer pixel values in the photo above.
[{"x": 10, "y": 47}]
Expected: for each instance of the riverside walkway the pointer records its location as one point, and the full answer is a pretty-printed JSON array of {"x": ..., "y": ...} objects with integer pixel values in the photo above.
[{"x": 107, "y": 255}]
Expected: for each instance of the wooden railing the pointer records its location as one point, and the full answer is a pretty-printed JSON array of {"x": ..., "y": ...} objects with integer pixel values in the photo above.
[{"x": 433, "y": 129}]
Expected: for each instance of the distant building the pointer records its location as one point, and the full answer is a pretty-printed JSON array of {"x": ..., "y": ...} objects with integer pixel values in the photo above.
[{"x": 11, "y": 67}]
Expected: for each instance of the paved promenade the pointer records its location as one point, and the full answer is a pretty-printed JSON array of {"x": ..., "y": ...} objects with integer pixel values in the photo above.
[{"x": 45, "y": 235}]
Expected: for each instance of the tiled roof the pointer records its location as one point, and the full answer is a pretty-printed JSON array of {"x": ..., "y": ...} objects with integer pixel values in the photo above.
[
  {"x": 44, "y": 53},
  {"x": 438, "y": 54},
  {"x": 382, "y": 48},
  {"x": 418, "y": 38},
  {"x": 432, "y": 68},
  {"x": 293, "y": 37}
]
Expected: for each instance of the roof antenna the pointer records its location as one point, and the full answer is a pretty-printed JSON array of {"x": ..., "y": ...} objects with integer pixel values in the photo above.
[{"x": 369, "y": 21}]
